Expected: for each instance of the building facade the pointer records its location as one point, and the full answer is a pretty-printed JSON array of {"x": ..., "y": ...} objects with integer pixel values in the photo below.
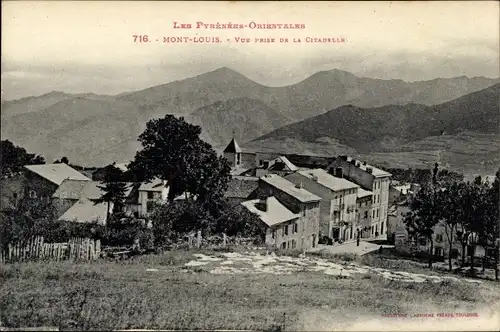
[
  {"x": 338, "y": 202},
  {"x": 372, "y": 179},
  {"x": 300, "y": 202}
]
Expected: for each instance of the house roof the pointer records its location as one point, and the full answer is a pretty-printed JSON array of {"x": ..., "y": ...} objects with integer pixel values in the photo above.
[
  {"x": 154, "y": 185},
  {"x": 376, "y": 172},
  {"x": 364, "y": 193},
  {"x": 76, "y": 189},
  {"x": 232, "y": 147},
  {"x": 241, "y": 186},
  {"x": 327, "y": 180},
  {"x": 286, "y": 165},
  {"x": 276, "y": 213},
  {"x": 56, "y": 173},
  {"x": 288, "y": 187},
  {"x": 85, "y": 211}
]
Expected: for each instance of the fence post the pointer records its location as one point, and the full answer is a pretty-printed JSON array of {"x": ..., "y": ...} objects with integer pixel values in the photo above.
[
  {"x": 198, "y": 239},
  {"x": 98, "y": 249}
]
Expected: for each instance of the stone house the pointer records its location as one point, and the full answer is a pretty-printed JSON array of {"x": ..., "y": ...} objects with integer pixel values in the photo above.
[
  {"x": 42, "y": 181},
  {"x": 369, "y": 178},
  {"x": 338, "y": 204},
  {"x": 299, "y": 202},
  {"x": 74, "y": 200}
]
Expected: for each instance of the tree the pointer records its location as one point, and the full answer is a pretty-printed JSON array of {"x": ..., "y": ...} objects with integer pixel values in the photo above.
[
  {"x": 173, "y": 151},
  {"x": 65, "y": 160},
  {"x": 424, "y": 215},
  {"x": 472, "y": 221},
  {"x": 492, "y": 221},
  {"x": 13, "y": 158},
  {"x": 426, "y": 211},
  {"x": 114, "y": 189},
  {"x": 452, "y": 213}
]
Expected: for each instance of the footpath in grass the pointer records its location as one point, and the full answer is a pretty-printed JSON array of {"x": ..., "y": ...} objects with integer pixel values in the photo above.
[{"x": 231, "y": 291}]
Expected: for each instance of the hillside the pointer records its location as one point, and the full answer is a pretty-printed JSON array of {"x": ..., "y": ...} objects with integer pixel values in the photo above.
[
  {"x": 390, "y": 127},
  {"x": 93, "y": 129},
  {"x": 462, "y": 133},
  {"x": 248, "y": 118}
]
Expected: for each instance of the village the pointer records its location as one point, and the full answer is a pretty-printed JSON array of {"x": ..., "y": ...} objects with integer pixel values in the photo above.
[{"x": 304, "y": 203}]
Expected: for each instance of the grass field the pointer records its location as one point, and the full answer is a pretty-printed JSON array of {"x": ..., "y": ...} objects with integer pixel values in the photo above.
[{"x": 160, "y": 291}]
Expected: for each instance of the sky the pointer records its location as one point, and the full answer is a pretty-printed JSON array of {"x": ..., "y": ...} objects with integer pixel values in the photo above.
[{"x": 88, "y": 46}]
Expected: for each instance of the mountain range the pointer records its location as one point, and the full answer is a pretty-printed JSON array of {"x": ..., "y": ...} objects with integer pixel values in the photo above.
[{"x": 95, "y": 129}]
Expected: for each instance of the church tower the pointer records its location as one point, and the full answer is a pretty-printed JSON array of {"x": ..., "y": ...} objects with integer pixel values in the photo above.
[{"x": 232, "y": 153}]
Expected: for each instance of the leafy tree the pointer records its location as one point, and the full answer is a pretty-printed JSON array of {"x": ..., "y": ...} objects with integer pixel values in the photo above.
[
  {"x": 492, "y": 219},
  {"x": 426, "y": 212},
  {"x": 173, "y": 151},
  {"x": 13, "y": 158},
  {"x": 472, "y": 221},
  {"x": 65, "y": 160},
  {"x": 238, "y": 221},
  {"x": 452, "y": 213},
  {"x": 114, "y": 189}
]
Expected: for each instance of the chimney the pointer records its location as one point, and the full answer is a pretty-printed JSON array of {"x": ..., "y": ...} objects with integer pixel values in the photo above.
[
  {"x": 369, "y": 170},
  {"x": 315, "y": 178},
  {"x": 299, "y": 185},
  {"x": 262, "y": 205},
  {"x": 353, "y": 161},
  {"x": 339, "y": 173},
  {"x": 364, "y": 163}
]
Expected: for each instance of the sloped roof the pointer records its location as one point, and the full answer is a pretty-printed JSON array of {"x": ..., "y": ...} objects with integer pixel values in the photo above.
[
  {"x": 85, "y": 211},
  {"x": 241, "y": 186},
  {"x": 56, "y": 173},
  {"x": 376, "y": 172},
  {"x": 76, "y": 189},
  {"x": 288, "y": 187},
  {"x": 364, "y": 193},
  {"x": 287, "y": 165},
  {"x": 276, "y": 213},
  {"x": 154, "y": 185},
  {"x": 327, "y": 180},
  {"x": 232, "y": 147}
]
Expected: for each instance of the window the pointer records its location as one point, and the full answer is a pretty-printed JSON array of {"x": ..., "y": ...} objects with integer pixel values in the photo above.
[
  {"x": 294, "y": 244},
  {"x": 238, "y": 158},
  {"x": 377, "y": 213},
  {"x": 382, "y": 228},
  {"x": 32, "y": 194},
  {"x": 366, "y": 214},
  {"x": 439, "y": 237},
  {"x": 373, "y": 214},
  {"x": 304, "y": 211},
  {"x": 286, "y": 230},
  {"x": 283, "y": 245},
  {"x": 273, "y": 234},
  {"x": 261, "y": 162},
  {"x": 150, "y": 195},
  {"x": 295, "y": 228},
  {"x": 283, "y": 231}
]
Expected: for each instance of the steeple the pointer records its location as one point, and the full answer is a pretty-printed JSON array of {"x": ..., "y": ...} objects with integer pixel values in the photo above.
[{"x": 232, "y": 147}]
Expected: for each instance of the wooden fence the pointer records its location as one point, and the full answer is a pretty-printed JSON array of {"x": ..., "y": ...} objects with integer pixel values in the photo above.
[
  {"x": 37, "y": 249},
  {"x": 195, "y": 240}
]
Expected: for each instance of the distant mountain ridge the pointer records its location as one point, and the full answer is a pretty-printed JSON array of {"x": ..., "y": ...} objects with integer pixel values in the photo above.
[
  {"x": 391, "y": 127},
  {"x": 97, "y": 129}
]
